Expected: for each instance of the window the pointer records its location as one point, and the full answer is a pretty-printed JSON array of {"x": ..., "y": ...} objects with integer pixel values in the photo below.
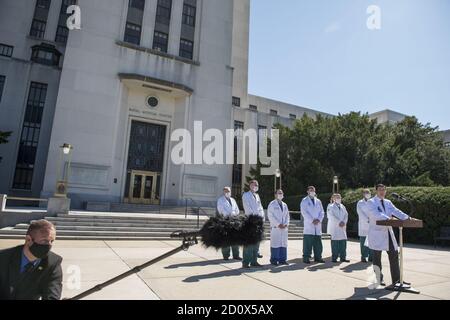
[
  {"x": 160, "y": 41},
  {"x": 2, "y": 85},
  {"x": 273, "y": 112},
  {"x": 133, "y": 33},
  {"x": 236, "y": 102},
  {"x": 262, "y": 135},
  {"x": 186, "y": 49},
  {"x": 137, "y": 4},
  {"x": 5, "y": 50},
  {"x": 45, "y": 54},
  {"x": 237, "y": 168},
  {"x": 29, "y": 139},
  {"x": 163, "y": 11},
  {"x": 189, "y": 12},
  {"x": 253, "y": 107},
  {"x": 292, "y": 116},
  {"x": 62, "y": 32},
  {"x": 40, "y": 18},
  {"x": 133, "y": 26},
  {"x": 38, "y": 28}
]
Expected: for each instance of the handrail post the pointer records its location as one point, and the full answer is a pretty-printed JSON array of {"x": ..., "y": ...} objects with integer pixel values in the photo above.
[
  {"x": 185, "y": 209},
  {"x": 198, "y": 217}
]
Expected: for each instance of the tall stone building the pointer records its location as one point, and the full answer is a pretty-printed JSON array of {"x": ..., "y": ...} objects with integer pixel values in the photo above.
[{"x": 117, "y": 89}]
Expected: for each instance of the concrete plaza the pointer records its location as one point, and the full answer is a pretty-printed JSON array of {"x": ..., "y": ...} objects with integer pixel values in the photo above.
[{"x": 202, "y": 274}]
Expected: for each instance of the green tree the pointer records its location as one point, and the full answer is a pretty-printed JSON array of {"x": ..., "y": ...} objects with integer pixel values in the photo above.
[{"x": 358, "y": 150}]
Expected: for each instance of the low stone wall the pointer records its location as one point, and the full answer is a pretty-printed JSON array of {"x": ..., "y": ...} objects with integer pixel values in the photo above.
[{"x": 11, "y": 218}]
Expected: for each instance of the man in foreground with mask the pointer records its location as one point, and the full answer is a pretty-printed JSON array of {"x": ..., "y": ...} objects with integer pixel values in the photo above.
[{"x": 31, "y": 271}]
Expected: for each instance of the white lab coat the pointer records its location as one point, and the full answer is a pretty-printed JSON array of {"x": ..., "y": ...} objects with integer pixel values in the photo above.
[
  {"x": 278, "y": 237},
  {"x": 378, "y": 238},
  {"x": 310, "y": 212},
  {"x": 225, "y": 208},
  {"x": 252, "y": 204},
  {"x": 363, "y": 210},
  {"x": 337, "y": 214}
]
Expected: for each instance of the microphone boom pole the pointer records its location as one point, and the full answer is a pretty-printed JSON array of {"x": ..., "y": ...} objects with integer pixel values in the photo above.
[{"x": 189, "y": 239}]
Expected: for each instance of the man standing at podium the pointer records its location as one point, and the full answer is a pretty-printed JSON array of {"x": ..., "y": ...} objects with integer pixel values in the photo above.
[{"x": 381, "y": 238}]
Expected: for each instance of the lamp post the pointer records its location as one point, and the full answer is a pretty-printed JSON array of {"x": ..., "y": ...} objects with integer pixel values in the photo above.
[
  {"x": 277, "y": 175},
  {"x": 62, "y": 177},
  {"x": 335, "y": 184}
]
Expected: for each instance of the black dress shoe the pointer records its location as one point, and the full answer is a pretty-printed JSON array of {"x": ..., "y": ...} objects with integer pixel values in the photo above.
[
  {"x": 334, "y": 261},
  {"x": 285, "y": 263},
  {"x": 319, "y": 261},
  {"x": 363, "y": 260},
  {"x": 260, "y": 256},
  {"x": 256, "y": 265},
  {"x": 226, "y": 259},
  {"x": 238, "y": 259},
  {"x": 307, "y": 261},
  {"x": 245, "y": 266},
  {"x": 345, "y": 260}
]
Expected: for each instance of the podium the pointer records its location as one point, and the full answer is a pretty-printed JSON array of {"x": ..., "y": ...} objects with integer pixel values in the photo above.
[{"x": 401, "y": 224}]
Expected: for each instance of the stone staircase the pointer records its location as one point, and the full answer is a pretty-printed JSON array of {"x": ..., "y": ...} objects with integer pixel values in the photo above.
[{"x": 86, "y": 226}]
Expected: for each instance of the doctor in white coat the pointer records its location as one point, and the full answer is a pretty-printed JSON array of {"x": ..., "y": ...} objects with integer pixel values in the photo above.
[
  {"x": 252, "y": 206},
  {"x": 337, "y": 227},
  {"x": 278, "y": 214},
  {"x": 362, "y": 208},
  {"x": 313, "y": 214},
  {"x": 381, "y": 238},
  {"x": 227, "y": 207}
]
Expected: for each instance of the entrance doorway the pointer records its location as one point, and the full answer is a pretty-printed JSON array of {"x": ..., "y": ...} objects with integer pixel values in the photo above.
[
  {"x": 145, "y": 163},
  {"x": 143, "y": 187}
]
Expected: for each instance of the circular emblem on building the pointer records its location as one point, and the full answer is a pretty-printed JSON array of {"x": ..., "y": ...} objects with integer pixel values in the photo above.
[{"x": 152, "y": 101}]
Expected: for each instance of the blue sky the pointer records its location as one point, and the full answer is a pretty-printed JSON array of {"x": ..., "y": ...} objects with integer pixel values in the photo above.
[{"x": 320, "y": 54}]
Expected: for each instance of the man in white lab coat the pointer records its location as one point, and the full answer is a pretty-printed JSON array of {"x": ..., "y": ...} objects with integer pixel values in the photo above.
[
  {"x": 381, "y": 238},
  {"x": 227, "y": 207},
  {"x": 362, "y": 208},
  {"x": 252, "y": 206},
  {"x": 337, "y": 227},
  {"x": 313, "y": 214},
  {"x": 278, "y": 214}
]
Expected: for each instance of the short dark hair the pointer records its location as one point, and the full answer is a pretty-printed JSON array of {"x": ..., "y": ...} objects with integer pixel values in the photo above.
[
  {"x": 380, "y": 186},
  {"x": 40, "y": 225}
]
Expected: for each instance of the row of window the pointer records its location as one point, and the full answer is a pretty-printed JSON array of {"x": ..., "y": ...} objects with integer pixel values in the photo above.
[
  {"x": 39, "y": 23},
  {"x": 237, "y": 103},
  {"x": 133, "y": 27},
  {"x": 42, "y": 53},
  {"x": 29, "y": 138}
]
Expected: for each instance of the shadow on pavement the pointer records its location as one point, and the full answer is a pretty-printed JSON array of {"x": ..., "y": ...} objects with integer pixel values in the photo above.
[
  {"x": 359, "y": 266},
  {"x": 372, "y": 294}
]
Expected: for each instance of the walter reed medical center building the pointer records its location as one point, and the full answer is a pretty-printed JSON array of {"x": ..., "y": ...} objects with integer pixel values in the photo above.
[{"x": 116, "y": 90}]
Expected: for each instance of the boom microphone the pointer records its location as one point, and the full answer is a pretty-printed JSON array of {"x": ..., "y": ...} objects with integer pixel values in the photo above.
[{"x": 220, "y": 232}]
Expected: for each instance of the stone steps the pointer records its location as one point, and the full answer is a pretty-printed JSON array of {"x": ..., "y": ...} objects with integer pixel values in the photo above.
[{"x": 111, "y": 226}]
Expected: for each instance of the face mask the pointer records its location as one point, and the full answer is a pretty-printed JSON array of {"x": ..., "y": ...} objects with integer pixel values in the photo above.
[
  {"x": 40, "y": 250},
  {"x": 367, "y": 196},
  {"x": 280, "y": 197},
  {"x": 255, "y": 189},
  {"x": 338, "y": 201},
  {"x": 228, "y": 194},
  {"x": 312, "y": 194}
]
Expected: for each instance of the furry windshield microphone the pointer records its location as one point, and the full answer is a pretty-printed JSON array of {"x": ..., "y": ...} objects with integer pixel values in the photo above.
[{"x": 221, "y": 232}]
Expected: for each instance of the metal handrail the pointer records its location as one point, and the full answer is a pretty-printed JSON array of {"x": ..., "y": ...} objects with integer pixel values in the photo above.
[
  {"x": 26, "y": 199},
  {"x": 199, "y": 208}
]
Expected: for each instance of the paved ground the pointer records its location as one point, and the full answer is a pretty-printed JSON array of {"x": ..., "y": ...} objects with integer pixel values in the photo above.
[{"x": 201, "y": 274}]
